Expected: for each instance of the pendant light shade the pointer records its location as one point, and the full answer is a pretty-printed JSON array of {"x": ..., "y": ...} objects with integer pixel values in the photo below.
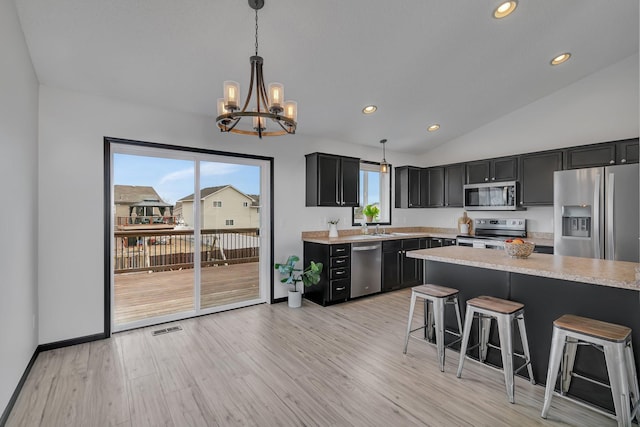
[{"x": 384, "y": 166}]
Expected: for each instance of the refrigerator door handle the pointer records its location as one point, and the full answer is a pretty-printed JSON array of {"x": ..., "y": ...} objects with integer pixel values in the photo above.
[
  {"x": 596, "y": 217},
  {"x": 611, "y": 242}
]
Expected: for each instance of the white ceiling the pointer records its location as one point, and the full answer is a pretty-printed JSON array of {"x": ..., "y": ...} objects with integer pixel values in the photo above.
[{"x": 419, "y": 61}]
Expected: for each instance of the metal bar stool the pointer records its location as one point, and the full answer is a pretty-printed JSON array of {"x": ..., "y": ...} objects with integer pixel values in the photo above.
[
  {"x": 435, "y": 297},
  {"x": 486, "y": 308},
  {"x": 614, "y": 341}
]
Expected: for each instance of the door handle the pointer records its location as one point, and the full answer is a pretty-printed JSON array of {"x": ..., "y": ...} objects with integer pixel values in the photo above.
[
  {"x": 611, "y": 237},
  {"x": 596, "y": 218}
]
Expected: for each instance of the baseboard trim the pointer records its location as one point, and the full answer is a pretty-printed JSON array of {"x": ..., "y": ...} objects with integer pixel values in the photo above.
[
  {"x": 14, "y": 397},
  {"x": 43, "y": 347},
  {"x": 70, "y": 342}
]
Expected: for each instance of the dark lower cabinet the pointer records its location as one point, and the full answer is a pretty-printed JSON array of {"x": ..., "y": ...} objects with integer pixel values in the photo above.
[
  {"x": 536, "y": 177},
  {"x": 543, "y": 249},
  {"x": 398, "y": 270},
  {"x": 335, "y": 281}
]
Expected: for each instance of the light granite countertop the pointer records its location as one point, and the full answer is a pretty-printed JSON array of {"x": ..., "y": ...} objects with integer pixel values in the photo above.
[
  {"x": 616, "y": 274},
  {"x": 396, "y": 233}
]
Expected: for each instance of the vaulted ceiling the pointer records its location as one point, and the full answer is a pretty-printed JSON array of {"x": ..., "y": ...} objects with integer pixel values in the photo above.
[{"x": 419, "y": 61}]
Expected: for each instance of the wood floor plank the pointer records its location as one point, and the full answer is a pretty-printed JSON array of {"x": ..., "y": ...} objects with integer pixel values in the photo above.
[
  {"x": 147, "y": 402},
  {"x": 107, "y": 395},
  {"x": 272, "y": 365}
]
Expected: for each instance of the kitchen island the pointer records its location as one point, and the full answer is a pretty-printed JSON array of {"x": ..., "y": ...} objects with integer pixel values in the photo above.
[{"x": 549, "y": 286}]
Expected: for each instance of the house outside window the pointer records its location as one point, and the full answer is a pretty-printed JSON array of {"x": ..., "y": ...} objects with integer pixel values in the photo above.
[
  {"x": 228, "y": 222},
  {"x": 217, "y": 203},
  {"x": 245, "y": 204},
  {"x": 375, "y": 189}
]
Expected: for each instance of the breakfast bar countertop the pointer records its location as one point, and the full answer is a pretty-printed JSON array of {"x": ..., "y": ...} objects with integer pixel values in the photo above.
[{"x": 616, "y": 274}]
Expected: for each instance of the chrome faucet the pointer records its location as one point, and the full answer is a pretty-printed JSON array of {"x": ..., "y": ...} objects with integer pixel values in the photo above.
[{"x": 377, "y": 228}]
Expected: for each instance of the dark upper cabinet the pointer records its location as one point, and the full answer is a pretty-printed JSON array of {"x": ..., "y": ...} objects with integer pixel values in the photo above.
[
  {"x": 453, "y": 182},
  {"x": 499, "y": 169},
  {"x": 478, "y": 172},
  {"x": 605, "y": 154},
  {"x": 588, "y": 156},
  {"x": 435, "y": 186},
  {"x": 627, "y": 151},
  {"x": 350, "y": 190},
  {"x": 536, "y": 177},
  {"x": 332, "y": 180},
  {"x": 411, "y": 187}
]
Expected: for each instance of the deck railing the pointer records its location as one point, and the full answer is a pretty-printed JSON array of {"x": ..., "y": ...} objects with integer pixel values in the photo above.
[
  {"x": 133, "y": 220},
  {"x": 161, "y": 250}
]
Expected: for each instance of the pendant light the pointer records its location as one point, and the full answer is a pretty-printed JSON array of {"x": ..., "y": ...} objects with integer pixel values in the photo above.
[{"x": 384, "y": 166}]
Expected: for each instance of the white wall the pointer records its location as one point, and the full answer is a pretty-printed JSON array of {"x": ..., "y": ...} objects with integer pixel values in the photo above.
[
  {"x": 18, "y": 175},
  {"x": 72, "y": 127},
  {"x": 601, "y": 107}
]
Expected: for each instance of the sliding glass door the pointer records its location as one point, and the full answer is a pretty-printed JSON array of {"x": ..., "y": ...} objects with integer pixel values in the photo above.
[{"x": 188, "y": 235}]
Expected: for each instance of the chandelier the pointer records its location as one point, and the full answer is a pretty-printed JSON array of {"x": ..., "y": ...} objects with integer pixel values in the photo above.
[{"x": 270, "y": 114}]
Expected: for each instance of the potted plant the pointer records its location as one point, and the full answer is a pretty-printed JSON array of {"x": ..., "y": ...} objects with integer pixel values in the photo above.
[
  {"x": 292, "y": 276},
  {"x": 371, "y": 212}
]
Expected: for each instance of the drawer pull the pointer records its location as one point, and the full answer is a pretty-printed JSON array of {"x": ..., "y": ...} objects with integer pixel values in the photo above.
[
  {"x": 340, "y": 250},
  {"x": 340, "y": 261},
  {"x": 341, "y": 289},
  {"x": 339, "y": 272}
]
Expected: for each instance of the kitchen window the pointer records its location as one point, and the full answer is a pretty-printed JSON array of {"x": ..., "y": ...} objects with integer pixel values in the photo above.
[{"x": 375, "y": 189}]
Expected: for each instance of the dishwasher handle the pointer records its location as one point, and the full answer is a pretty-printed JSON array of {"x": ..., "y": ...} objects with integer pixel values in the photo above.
[{"x": 364, "y": 248}]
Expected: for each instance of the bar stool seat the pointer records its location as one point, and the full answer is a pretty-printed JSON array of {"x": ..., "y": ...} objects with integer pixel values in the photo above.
[
  {"x": 436, "y": 297},
  {"x": 486, "y": 308},
  {"x": 614, "y": 341}
]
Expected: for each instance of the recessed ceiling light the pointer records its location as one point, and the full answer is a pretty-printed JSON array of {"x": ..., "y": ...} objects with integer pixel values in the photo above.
[
  {"x": 505, "y": 9},
  {"x": 434, "y": 127},
  {"x": 563, "y": 57},
  {"x": 369, "y": 109}
]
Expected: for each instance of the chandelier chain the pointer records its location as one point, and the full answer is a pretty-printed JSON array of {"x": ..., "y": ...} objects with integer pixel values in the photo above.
[{"x": 256, "y": 32}]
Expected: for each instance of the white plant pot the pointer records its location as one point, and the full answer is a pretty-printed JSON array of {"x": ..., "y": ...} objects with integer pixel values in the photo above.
[
  {"x": 295, "y": 299},
  {"x": 333, "y": 230}
]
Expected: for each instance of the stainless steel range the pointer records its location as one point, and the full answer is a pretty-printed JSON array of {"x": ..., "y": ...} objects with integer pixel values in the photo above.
[{"x": 492, "y": 232}]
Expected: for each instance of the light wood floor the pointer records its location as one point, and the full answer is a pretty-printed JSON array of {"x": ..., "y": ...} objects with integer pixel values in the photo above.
[
  {"x": 143, "y": 295},
  {"x": 271, "y": 365}
]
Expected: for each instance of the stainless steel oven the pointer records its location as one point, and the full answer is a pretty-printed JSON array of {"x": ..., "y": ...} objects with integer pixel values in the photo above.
[
  {"x": 490, "y": 233},
  {"x": 493, "y": 196}
]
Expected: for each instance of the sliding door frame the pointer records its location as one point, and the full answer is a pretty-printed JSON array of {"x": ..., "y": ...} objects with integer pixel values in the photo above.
[{"x": 108, "y": 215}]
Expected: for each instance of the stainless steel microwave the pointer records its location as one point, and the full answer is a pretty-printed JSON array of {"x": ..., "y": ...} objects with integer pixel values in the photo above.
[{"x": 492, "y": 196}]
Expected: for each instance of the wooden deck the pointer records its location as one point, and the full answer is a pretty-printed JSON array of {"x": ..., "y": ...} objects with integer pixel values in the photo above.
[{"x": 143, "y": 295}]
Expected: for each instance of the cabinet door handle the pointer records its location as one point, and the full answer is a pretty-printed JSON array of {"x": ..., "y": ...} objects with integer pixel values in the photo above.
[
  {"x": 341, "y": 289},
  {"x": 623, "y": 161},
  {"x": 611, "y": 162},
  {"x": 486, "y": 179}
]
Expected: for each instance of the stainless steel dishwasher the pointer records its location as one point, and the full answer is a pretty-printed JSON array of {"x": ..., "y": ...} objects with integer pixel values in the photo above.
[{"x": 366, "y": 268}]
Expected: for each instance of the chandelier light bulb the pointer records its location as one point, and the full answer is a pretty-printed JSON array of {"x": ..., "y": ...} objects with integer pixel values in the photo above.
[{"x": 231, "y": 95}]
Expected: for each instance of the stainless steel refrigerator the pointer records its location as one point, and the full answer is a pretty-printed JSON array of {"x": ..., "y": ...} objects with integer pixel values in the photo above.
[{"x": 596, "y": 212}]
